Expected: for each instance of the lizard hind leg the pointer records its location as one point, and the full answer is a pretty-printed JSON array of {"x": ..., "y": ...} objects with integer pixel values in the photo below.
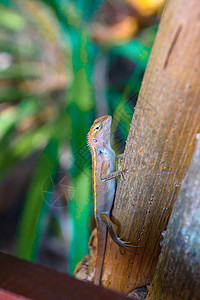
[{"x": 122, "y": 244}]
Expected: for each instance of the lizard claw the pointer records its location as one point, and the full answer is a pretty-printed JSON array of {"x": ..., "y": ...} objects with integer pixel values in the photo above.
[
  {"x": 103, "y": 179},
  {"x": 127, "y": 243},
  {"x": 122, "y": 250},
  {"x": 123, "y": 244}
]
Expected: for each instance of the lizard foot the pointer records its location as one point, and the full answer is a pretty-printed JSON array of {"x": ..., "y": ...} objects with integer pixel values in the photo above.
[
  {"x": 120, "y": 172},
  {"x": 111, "y": 175},
  {"x": 119, "y": 159},
  {"x": 121, "y": 243},
  {"x": 125, "y": 245}
]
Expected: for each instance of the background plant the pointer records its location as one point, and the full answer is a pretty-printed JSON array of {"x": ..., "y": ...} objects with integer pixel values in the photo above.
[{"x": 62, "y": 64}]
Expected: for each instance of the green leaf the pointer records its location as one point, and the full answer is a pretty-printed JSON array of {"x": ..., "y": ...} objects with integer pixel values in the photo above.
[
  {"x": 80, "y": 209},
  {"x": 28, "y": 235},
  {"x": 20, "y": 71},
  {"x": 11, "y": 20}
]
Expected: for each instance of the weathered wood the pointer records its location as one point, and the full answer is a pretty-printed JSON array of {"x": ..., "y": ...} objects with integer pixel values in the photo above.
[
  {"x": 177, "y": 275},
  {"x": 20, "y": 279},
  {"x": 5, "y": 295},
  {"x": 159, "y": 147}
]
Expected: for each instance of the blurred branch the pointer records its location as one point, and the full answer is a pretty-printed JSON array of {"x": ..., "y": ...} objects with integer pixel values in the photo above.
[{"x": 178, "y": 269}]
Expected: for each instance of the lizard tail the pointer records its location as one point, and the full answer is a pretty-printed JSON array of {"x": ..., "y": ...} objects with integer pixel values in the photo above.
[{"x": 101, "y": 237}]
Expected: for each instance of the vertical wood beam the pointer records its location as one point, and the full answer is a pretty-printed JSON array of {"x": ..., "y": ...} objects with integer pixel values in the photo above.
[{"x": 159, "y": 147}]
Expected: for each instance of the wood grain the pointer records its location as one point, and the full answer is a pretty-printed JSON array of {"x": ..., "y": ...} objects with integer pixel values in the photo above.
[{"x": 159, "y": 147}]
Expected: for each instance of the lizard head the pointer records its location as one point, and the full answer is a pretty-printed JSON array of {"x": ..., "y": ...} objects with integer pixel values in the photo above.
[{"x": 99, "y": 134}]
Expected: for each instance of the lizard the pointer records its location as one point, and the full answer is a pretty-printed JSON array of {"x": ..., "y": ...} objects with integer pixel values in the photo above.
[{"x": 104, "y": 185}]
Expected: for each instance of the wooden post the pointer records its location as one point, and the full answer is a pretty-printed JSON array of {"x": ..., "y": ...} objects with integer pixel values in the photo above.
[
  {"x": 159, "y": 147},
  {"x": 23, "y": 280},
  {"x": 177, "y": 275}
]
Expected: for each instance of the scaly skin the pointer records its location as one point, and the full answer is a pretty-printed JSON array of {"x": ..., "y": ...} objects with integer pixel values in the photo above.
[{"x": 103, "y": 175}]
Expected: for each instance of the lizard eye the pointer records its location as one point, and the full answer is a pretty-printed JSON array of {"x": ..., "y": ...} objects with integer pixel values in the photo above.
[
  {"x": 94, "y": 140},
  {"x": 98, "y": 127}
]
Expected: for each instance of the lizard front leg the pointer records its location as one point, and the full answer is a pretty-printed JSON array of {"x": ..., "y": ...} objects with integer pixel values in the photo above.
[
  {"x": 110, "y": 225},
  {"x": 106, "y": 217},
  {"x": 120, "y": 172}
]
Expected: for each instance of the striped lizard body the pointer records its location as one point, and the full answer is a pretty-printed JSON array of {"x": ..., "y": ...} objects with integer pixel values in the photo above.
[{"x": 103, "y": 175}]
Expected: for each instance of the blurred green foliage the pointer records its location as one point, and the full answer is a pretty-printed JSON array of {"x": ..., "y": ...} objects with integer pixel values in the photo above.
[{"x": 51, "y": 91}]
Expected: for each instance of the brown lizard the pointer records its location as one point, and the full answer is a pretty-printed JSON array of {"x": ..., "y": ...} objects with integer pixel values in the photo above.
[{"x": 103, "y": 175}]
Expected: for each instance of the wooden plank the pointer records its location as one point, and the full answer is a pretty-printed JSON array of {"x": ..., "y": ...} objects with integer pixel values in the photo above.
[
  {"x": 5, "y": 295},
  {"x": 33, "y": 281}
]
